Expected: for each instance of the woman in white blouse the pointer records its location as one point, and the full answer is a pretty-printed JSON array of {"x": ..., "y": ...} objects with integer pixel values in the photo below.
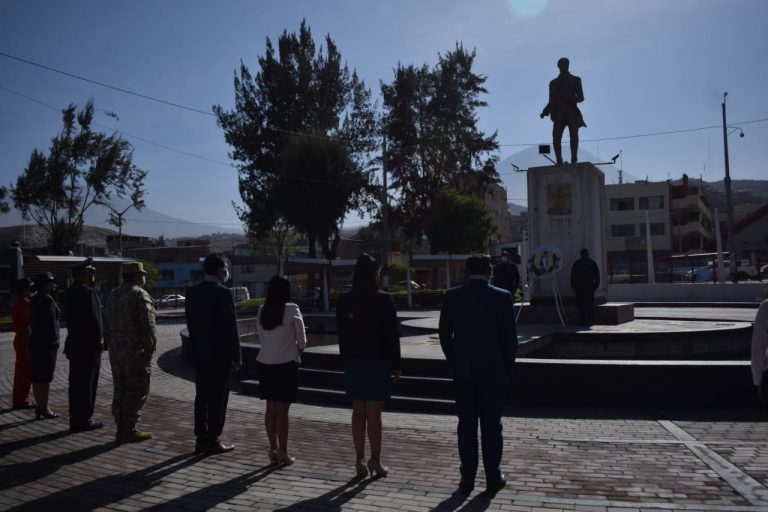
[
  {"x": 282, "y": 339},
  {"x": 760, "y": 348}
]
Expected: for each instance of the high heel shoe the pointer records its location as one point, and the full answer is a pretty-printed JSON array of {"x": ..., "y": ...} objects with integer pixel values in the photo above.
[
  {"x": 376, "y": 469},
  {"x": 360, "y": 468},
  {"x": 273, "y": 460},
  {"x": 283, "y": 458},
  {"x": 45, "y": 415}
]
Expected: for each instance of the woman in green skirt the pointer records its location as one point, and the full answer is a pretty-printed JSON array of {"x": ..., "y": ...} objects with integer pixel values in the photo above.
[{"x": 369, "y": 343}]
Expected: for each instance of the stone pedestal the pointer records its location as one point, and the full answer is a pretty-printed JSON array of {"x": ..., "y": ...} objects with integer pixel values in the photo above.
[{"x": 566, "y": 206}]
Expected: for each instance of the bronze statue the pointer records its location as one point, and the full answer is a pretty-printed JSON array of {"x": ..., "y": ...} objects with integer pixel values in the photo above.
[{"x": 564, "y": 94}]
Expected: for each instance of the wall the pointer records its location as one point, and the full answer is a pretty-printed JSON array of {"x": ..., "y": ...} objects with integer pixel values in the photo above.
[{"x": 686, "y": 292}]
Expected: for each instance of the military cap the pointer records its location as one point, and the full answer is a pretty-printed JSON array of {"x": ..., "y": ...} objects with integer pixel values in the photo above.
[
  {"x": 133, "y": 267},
  {"x": 23, "y": 283},
  {"x": 43, "y": 278},
  {"x": 86, "y": 264}
]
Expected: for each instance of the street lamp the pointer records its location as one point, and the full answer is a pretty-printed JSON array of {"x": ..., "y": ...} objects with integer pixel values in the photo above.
[
  {"x": 116, "y": 218},
  {"x": 728, "y": 202}
]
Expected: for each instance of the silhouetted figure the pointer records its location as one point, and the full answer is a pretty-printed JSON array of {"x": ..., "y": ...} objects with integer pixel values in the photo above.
[
  {"x": 506, "y": 275},
  {"x": 760, "y": 349},
  {"x": 479, "y": 339},
  {"x": 564, "y": 94},
  {"x": 585, "y": 279}
]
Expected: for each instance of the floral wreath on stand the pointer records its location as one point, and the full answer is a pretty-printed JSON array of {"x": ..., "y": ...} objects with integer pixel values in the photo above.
[{"x": 545, "y": 261}]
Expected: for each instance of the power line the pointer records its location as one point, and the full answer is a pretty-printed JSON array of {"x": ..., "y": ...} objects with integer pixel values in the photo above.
[{"x": 108, "y": 86}]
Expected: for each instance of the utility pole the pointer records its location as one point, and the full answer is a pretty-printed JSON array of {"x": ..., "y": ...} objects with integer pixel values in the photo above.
[
  {"x": 728, "y": 202},
  {"x": 385, "y": 216},
  {"x": 119, "y": 216}
]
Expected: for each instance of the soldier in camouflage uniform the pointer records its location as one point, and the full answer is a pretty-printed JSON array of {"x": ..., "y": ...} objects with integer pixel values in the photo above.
[{"x": 129, "y": 330}]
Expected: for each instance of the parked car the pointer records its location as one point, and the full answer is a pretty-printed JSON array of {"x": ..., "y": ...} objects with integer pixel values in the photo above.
[
  {"x": 764, "y": 271},
  {"x": 745, "y": 272},
  {"x": 240, "y": 293},
  {"x": 170, "y": 301}
]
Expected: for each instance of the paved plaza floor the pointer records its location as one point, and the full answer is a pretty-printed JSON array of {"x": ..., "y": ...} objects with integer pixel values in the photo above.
[{"x": 554, "y": 459}]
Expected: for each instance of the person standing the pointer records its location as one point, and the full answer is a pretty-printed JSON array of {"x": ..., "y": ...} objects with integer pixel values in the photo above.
[
  {"x": 43, "y": 342},
  {"x": 81, "y": 306},
  {"x": 369, "y": 345},
  {"x": 21, "y": 320},
  {"x": 585, "y": 280},
  {"x": 129, "y": 333},
  {"x": 505, "y": 274},
  {"x": 479, "y": 339},
  {"x": 760, "y": 349},
  {"x": 215, "y": 345},
  {"x": 565, "y": 93},
  {"x": 282, "y": 338}
]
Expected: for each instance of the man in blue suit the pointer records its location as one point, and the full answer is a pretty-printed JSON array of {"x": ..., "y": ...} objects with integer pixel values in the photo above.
[
  {"x": 479, "y": 339},
  {"x": 215, "y": 343}
]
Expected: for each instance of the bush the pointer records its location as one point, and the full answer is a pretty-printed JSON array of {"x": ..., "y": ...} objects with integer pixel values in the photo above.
[{"x": 249, "y": 306}]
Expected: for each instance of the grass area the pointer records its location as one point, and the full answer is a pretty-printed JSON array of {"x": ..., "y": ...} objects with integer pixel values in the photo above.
[{"x": 248, "y": 307}]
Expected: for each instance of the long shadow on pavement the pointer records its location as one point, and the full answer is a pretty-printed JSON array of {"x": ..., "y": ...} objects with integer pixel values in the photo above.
[
  {"x": 331, "y": 501},
  {"x": 7, "y": 448},
  {"x": 208, "y": 497},
  {"x": 479, "y": 503},
  {"x": 25, "y": 472},
  {"x": 107, "y": 490}
]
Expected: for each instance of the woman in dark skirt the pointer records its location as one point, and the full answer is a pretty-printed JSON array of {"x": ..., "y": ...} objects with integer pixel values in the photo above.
[
  {"x": 282, "y": 338},
  {"x": 43, "y": 342},
  {"x": 369, "y": 343}
]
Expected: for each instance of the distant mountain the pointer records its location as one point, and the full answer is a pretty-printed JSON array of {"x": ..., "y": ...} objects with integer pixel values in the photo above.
[
  {"x": 147, "y": 222},
  {"x": 516, "y": 209},
  {"x": 742, "y": 192}
]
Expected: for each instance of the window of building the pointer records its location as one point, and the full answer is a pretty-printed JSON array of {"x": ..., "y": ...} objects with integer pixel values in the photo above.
[
  {"x": 657, "y": 229},
  {"x": 621, "y": 230},
  {"x": 622, "y": 203},
  {"x": 651, "y": 203}
]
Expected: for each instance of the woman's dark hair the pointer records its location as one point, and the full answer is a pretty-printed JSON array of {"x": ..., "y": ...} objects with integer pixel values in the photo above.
[
  {"x": 365, "y": 279},
  {"x": 278, "y": 295}
]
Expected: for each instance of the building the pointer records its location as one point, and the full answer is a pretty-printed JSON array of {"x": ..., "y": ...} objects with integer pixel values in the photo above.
[{"x": 180, "y": 266}]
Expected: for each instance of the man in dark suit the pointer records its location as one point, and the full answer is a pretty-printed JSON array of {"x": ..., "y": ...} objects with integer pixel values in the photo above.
[
  {"x": 564, "y": 94},
  {"x": 215, "y": 346},
  {"x": 81, "y": 305},
  {"x": 479, "y": 340},
  {"x": 585, "y": 280}
]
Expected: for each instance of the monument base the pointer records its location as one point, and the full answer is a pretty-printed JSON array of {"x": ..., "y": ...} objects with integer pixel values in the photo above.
[{"x": 611, "y": 313}]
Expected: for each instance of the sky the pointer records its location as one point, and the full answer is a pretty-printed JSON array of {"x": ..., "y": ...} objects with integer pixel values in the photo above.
[{"x": 647, "y": 67}]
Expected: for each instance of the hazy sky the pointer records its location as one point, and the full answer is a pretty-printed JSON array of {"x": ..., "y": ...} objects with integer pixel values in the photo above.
[{"x": 647, "y": 66}]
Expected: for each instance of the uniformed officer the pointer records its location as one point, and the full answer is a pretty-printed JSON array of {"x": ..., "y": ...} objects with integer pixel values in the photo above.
[
  {"x": 81, "y": 305},
  {"x": 130, "y": 336}
]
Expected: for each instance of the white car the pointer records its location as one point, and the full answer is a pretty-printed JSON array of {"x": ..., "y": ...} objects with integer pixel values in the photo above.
[{"x": 170, "y": 301}]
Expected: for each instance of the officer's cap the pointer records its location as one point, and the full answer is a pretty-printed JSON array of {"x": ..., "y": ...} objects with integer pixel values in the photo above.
[
  {"x": 133, "y": 267},
  {"x": 86, "y": 264}
]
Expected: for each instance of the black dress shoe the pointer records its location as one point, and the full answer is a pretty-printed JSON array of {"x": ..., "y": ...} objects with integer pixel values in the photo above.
[
  {"x": 465, "y": 487},
  {"x": 217, "y": 448},
  {"x": 89, "y": 425},
  {"x": 497, "y": 485},
  {"x": 24, "y": 405}
]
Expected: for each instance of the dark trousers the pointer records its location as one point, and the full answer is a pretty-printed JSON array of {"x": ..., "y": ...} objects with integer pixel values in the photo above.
[
  {"x": 483, "y": 402},
  {"x": 585, "y": 300},
  {"x": 83, "y": 382},
  {"x": 211, "y": 398},
  {"x": 557, "y": 135}
]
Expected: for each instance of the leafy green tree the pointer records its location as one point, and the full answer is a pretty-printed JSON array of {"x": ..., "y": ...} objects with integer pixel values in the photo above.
[
  {"x": 319, "y": 183},
  {"x": 458, "y": 223},
  {"x": 433, "y": 142},
  {"x": 299, "y": 89},
  {"x": 4, "y": 208},
  {"x": 82, "y": 168},
  {"x": 153, "y": 273}
]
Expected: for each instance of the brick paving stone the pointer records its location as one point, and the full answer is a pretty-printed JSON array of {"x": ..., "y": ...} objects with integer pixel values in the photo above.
[{"x": 555, "y": 459}]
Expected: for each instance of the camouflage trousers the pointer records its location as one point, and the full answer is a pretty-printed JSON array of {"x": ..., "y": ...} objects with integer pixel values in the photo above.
[{"x": 131, "y": 380}]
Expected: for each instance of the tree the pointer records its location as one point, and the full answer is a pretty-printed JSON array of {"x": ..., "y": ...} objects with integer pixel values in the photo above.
[
  {"x": 153, "y": 273},
  {"x": 458, "y": 224},
  {"x": 433, "y": 142},
  {"x": 82, "y": 168},
  {"x": 3, "y": 204},
  {"x": 298, "y": 90}
]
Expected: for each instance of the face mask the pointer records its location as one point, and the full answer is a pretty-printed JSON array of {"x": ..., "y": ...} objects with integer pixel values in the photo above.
[{"x": 504, "y": 259}]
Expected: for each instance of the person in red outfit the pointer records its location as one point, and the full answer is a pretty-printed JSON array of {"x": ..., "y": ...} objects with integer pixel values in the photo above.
[{"x": 21, "y": 320}]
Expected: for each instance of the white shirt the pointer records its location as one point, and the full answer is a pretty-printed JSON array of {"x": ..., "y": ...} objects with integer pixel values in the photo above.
[
  {"x": 760, "y": 343},
  {"x": 283, "y": 343}
]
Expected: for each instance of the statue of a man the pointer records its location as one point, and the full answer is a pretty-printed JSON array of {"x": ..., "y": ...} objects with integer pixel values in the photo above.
[{"x": 564, "y": 94}]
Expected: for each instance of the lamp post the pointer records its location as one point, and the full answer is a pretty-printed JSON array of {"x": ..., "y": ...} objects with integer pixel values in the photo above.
[
  {"x": 728, "y": 201},
  {"x": 117, "y": 218}
]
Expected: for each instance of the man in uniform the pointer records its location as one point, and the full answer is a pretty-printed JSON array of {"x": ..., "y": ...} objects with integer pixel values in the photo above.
[
  {"x": 130, "y": 336},
  {"x": 82, "y": 312},
  {"x": 506, "y": 275},
  {"x": 585, "y": 280}
]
